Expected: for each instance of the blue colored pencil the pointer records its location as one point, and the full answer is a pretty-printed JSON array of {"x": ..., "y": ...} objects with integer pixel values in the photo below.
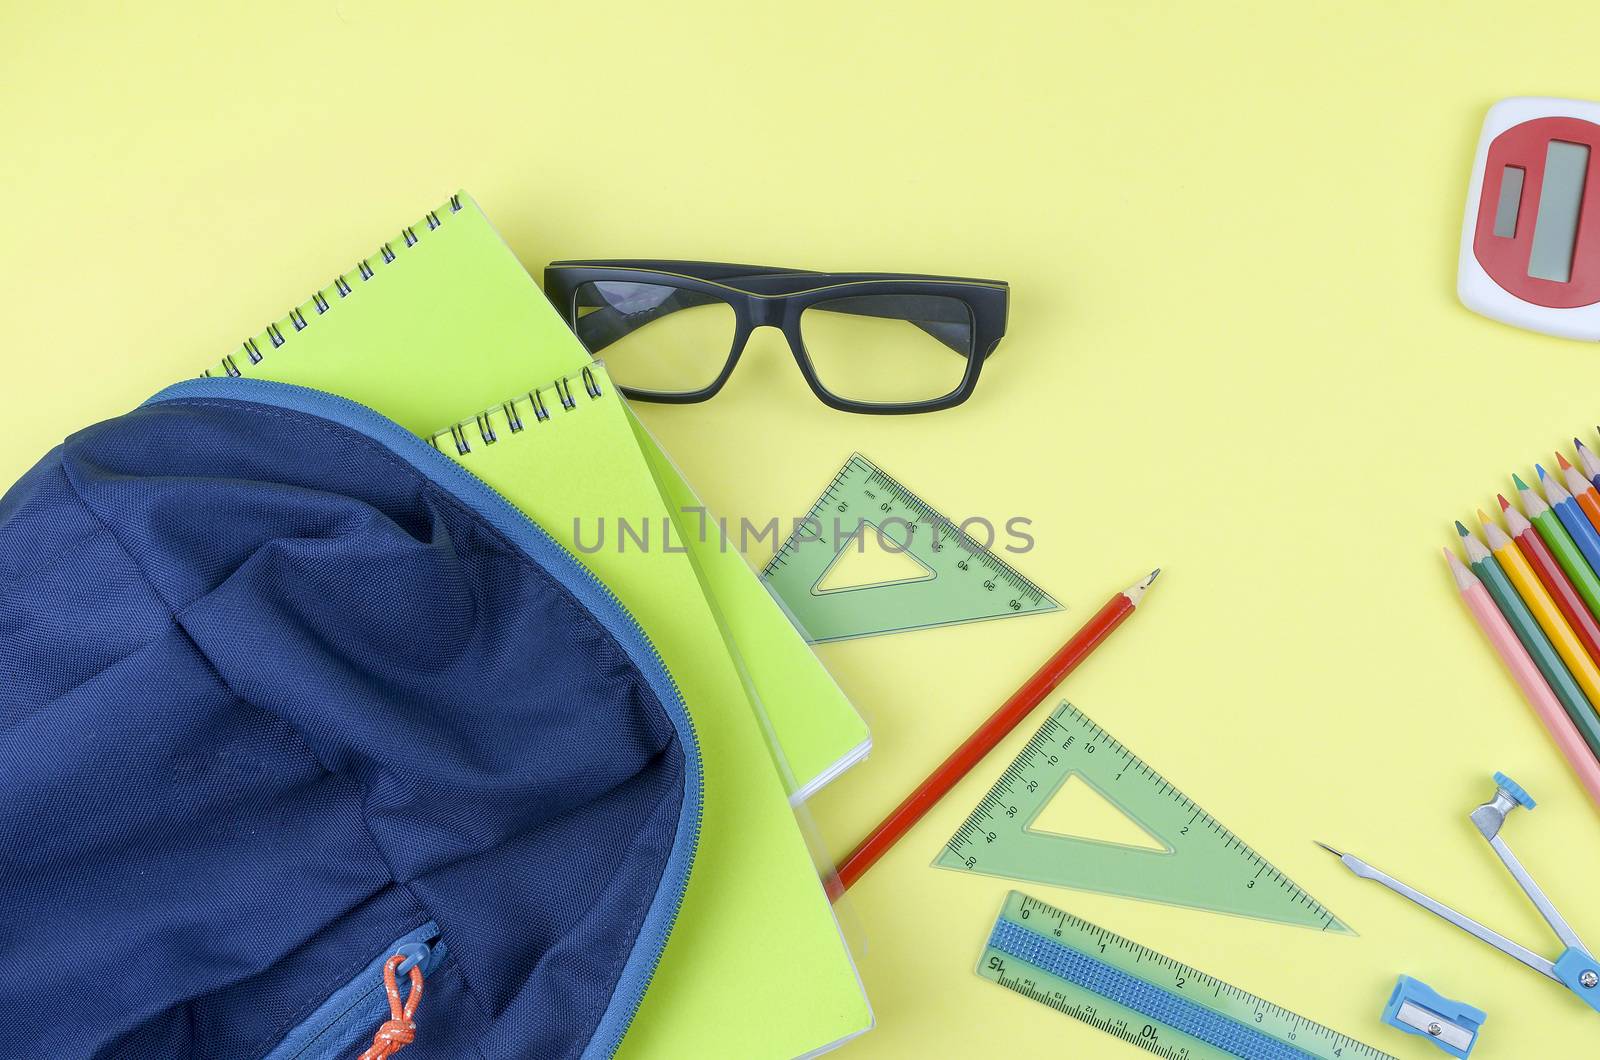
[{"x": 1572, "y": 518}]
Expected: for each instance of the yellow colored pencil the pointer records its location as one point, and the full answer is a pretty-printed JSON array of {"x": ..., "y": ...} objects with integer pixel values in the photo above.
[{"x": 1544, "y": 609}]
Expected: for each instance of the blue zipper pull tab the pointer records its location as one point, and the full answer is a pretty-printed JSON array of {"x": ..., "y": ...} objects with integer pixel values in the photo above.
[{"x": 415, "y": 954}]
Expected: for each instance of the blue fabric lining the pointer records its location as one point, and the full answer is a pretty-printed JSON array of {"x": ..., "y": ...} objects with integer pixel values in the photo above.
[{"x": 290, "y": 682}]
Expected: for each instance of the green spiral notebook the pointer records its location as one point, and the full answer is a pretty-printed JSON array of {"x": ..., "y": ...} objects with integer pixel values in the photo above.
[{"x": 444, "y": 332}]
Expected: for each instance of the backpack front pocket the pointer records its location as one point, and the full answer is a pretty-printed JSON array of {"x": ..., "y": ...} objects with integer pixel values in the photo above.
[{"x": 343, "y": 1026}]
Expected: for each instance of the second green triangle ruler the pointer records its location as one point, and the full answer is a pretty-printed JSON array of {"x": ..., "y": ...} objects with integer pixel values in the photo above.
[{"x": 1202, "y": 865}]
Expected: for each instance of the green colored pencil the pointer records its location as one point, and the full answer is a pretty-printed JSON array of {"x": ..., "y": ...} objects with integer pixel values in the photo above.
[
  {"x": 1526, "y": 627},
  {"x": 1567, "y": 553}
]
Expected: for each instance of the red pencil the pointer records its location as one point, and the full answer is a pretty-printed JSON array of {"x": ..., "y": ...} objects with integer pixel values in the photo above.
[
  {"x": 1554, "y": 579},
  {"x": 988, "y": 736}
]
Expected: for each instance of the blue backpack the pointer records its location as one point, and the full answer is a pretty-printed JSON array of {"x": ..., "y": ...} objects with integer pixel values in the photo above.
[{"x": 284, "y": 694}]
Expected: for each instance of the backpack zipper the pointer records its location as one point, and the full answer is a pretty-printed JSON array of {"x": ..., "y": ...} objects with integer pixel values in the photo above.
[{"x": 342, "y": 1025}]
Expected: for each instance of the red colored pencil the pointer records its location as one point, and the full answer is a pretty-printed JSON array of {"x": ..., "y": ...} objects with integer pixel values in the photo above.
[
  {"x": 1554, "y": 579},
  {"x": 988, "y": 735}
]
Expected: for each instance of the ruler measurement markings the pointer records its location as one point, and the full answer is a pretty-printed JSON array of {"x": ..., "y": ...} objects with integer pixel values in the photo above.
[
  {"x": 1032, "y": 780},
  {"x": 1286, "y": 1026},
  {"x": 1087, "y": 1015},
  {"x": 800, "y": 562}
]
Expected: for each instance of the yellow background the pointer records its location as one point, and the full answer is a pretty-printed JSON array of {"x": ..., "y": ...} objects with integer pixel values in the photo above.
[{"x": 1234, "y": 351}]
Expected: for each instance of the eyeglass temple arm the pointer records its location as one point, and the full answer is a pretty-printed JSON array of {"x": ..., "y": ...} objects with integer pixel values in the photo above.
[
  {"x": 955, "y": 334},
  {"x": 604, "y": 326}
]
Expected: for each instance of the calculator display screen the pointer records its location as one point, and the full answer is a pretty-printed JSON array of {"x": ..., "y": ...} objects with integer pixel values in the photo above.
[
  {"x": 1505, "y": 213},
  {"x": 1538, "y": 232},
  {"x": 1555, "y": 230}
]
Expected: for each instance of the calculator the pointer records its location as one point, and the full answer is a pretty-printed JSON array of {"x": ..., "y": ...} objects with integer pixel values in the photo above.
[{"x": 1530, "y": 240}]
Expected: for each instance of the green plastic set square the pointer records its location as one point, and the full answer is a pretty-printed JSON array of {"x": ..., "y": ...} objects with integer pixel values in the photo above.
[{"x": 955, "y": 578}]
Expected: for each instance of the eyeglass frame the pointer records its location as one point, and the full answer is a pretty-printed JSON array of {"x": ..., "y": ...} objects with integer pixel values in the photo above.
[{"x": 763, "y": 296}]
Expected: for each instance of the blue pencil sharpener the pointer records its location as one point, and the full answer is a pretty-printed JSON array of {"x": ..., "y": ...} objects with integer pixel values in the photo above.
[{"x": 1416, "y": 1008}]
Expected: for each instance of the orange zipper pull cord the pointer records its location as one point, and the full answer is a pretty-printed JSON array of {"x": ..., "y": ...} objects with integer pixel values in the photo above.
[{"x": 400, "y": 1029}]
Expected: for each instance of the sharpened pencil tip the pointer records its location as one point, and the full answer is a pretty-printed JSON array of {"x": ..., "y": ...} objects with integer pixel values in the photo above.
[
  {"x": 1136, "y": 591},
  {"x": 1561, "y": 462},
  {"x": 1324, "y": 846},
  {"x": 1483, "y": 517},
  {"x": 1577, "y": 443},
  {"x": 1505, "y": 505},
  {"x": 1462, "y": 529},
  {"x": 1517, "y": 479},
  {"x": 1542, "y": 473}
]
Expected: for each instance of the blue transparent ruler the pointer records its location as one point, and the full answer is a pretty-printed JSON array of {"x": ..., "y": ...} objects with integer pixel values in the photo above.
[{"x": 1148, "y": 1000}]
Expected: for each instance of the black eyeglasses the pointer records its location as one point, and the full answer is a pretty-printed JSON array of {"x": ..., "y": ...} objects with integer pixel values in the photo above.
[{"x": 865, "y": 342}]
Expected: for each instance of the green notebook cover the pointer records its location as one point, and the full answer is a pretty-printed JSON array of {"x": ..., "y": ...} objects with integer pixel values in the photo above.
[
  {"x": 815, "y": 746},
  {"x": 445, "y": 318}
]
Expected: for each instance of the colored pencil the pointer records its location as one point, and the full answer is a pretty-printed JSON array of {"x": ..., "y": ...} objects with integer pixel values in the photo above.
[
  {"x": 1526, "y": 627},
  {"x": 1582, "y": 491},
  {"x": 1588, "y": 461},
  {"x": 1553, "y": 578},
  {"x": 1566, "y": 550},
  {"x": 989, "y": 734},
  {"x": 1578, "y": 749},
  {"x": 1544, "y": 609},
  {"x": 1571, "y": 515}
]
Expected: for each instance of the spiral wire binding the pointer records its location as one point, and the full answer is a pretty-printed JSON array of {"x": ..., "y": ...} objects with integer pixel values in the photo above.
[
  {"x": 515, "y": 415},
  {"x": 277, "y": 335}
]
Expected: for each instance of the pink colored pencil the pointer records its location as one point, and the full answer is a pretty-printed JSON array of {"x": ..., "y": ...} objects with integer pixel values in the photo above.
[{"x": 1527, "y": 676}]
